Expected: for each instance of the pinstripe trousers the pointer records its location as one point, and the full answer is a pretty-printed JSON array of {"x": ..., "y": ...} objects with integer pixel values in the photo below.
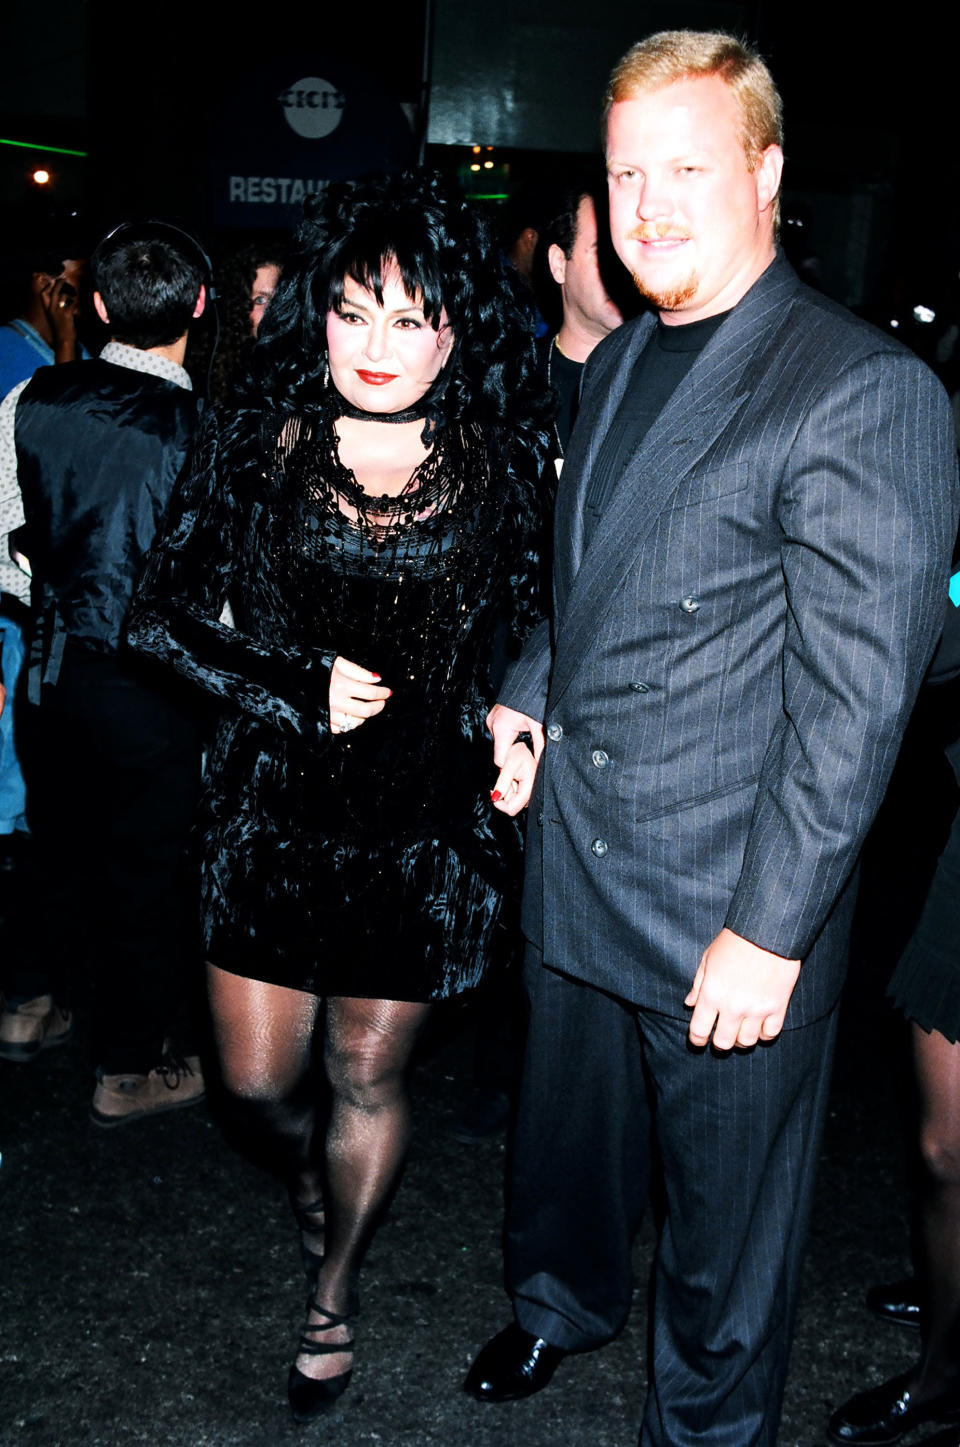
[{"x": 607, "y": 1088}]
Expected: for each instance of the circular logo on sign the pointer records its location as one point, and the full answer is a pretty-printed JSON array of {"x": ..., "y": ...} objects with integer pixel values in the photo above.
[{"x": 313, "y": 107}]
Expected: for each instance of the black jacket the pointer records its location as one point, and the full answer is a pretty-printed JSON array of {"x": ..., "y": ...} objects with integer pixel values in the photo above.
[{"x": 99, "y": 448}]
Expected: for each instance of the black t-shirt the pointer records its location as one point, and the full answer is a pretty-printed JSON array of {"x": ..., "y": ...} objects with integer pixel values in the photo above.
[
  {"x": 565, "y": 376},
  {"x": 657, "y": 372}
]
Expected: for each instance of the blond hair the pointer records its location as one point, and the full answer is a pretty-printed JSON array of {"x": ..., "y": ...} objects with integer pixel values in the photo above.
[{"x": 673, "y": 55}]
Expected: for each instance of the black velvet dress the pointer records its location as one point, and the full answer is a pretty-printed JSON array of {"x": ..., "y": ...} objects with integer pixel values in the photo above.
[{"x": 370, "y": 863}]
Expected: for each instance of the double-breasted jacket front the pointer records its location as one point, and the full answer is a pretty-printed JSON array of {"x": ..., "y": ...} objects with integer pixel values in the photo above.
[{"x": 735, "y": 651}]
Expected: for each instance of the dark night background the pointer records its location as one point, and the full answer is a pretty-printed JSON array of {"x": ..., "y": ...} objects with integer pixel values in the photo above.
[{"x": 872, "y": 165}]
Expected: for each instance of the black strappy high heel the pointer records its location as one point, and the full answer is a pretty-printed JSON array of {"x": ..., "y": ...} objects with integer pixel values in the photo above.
[
  {"x": 310, "y": 1397},
  {"x": 312, "y": 1260}
]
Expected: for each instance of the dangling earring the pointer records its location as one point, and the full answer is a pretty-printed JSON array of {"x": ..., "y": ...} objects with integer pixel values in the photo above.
[{"x": 326, "y": 373}]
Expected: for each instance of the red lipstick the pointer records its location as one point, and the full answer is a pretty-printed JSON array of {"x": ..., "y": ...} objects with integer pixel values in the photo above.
[{"x": 376, "y": 379}]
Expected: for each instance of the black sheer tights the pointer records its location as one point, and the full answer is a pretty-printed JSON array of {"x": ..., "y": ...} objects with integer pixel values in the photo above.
[
  {"x": 937, "y": 1064},
  {"x": 264, "y": 1036}
]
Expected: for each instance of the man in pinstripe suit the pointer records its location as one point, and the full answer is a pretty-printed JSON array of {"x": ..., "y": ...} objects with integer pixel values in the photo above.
[{"x": 753, "y": 537}]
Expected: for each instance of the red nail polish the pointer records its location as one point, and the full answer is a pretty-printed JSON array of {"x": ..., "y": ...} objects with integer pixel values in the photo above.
[
  {"x": 376, "y": 676},
  {"x": 495, "y": 795}
]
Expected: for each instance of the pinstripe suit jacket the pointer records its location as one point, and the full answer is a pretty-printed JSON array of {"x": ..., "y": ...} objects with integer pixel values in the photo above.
[{"x": 733, "y": 657}]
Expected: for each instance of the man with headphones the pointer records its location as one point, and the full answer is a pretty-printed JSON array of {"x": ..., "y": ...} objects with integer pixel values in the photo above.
[{"x": 96, "y": 447}]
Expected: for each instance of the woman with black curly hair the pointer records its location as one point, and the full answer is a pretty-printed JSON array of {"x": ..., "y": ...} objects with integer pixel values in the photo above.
[
  {"x": 246, "y": 280},
  {"x": 371, "y": 515}
]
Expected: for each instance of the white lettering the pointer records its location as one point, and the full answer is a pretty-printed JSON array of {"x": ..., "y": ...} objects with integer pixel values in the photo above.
[
  {"x": 312, "y": 106},
  {"x": 271, "y": 190}
]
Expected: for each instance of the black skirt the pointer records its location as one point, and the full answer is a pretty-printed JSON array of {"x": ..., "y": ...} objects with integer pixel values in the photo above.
[{"x": 926, "y": 983}]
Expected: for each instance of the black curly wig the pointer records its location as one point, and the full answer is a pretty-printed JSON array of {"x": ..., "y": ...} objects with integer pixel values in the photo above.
[{"x": 416, "y": 222}]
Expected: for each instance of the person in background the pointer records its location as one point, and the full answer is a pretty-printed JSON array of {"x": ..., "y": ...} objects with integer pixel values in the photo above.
[
  {"x": 925, "y": 986},
  {"x": 95, "y": 447},
  {"x": 44, "y": 285},
  {"x": 520, "y": 223},
  {"x": 576, "y": 260},
  {"x": 246, "y": 280},
  {"x": 44, "y": 330}
]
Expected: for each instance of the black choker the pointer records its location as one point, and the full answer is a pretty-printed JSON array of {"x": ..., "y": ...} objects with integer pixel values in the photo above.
[{"x": 342, "y": 408}]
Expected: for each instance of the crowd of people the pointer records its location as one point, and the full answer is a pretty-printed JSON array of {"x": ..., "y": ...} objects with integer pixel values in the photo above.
[{"x": 300, "y": 628}]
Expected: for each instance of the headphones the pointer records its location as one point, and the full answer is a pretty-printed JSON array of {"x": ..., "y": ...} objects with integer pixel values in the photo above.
[{"x": 152, "y": 230}]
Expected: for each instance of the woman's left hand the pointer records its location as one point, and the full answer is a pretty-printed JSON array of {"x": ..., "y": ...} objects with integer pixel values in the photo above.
[{"x": 511, "y": 793}]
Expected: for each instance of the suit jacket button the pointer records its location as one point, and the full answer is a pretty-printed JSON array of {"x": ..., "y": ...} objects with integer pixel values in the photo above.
[
  {"x": 599, "y": 847},
  {"x": 639, "y": 687},
  {"x": 600, "y": 758},
  {"x": 539, "y": 816},
  {"x": 690, "y": 603},
  {"x": 554, "y": 732}
]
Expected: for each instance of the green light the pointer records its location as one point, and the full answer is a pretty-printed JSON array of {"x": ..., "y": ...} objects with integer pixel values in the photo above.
[
  {"x": 32, "y": 146},
  {"x": 487, "y": 196}
]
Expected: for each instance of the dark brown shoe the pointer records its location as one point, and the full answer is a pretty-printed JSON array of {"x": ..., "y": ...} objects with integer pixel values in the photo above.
[{"x": 32, "y": 1026}]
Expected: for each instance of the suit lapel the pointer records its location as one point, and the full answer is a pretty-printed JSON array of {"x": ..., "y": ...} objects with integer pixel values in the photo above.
[
  {"x": 703, "y": 406},
  {"x": 599, "y": 404}
]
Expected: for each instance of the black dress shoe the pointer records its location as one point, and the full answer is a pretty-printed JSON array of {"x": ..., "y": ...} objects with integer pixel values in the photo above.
[
  {"x": 881, "y": 1416},
  {"x": 512, "y": 1366},
  {"x": 896, "y": 1301}
]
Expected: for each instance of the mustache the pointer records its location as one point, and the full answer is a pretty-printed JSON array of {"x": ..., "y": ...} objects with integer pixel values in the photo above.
[{"x": 656, "y": 231}]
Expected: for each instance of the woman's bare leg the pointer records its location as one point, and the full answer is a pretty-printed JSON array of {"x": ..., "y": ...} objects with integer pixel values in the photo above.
[{"x": 368, "y": 1044}]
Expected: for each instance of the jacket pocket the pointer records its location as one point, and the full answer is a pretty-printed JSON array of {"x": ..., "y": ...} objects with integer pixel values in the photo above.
[{"x": 699, "y": 799}]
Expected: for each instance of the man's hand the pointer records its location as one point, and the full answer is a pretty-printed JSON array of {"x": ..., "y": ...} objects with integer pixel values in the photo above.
[
  {"x": 3, "y": 697},
  {"x": 59, "y": 300},
  {"x": 518, "y": 767},
  {"x": 740, "y": 993}
]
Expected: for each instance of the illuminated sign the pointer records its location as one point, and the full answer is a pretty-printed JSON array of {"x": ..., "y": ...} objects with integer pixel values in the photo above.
[{"x": 291, "y": 126}]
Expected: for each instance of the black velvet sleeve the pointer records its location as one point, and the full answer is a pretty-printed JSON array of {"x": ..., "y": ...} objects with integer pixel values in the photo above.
[{"x": 198, "y": 563}]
